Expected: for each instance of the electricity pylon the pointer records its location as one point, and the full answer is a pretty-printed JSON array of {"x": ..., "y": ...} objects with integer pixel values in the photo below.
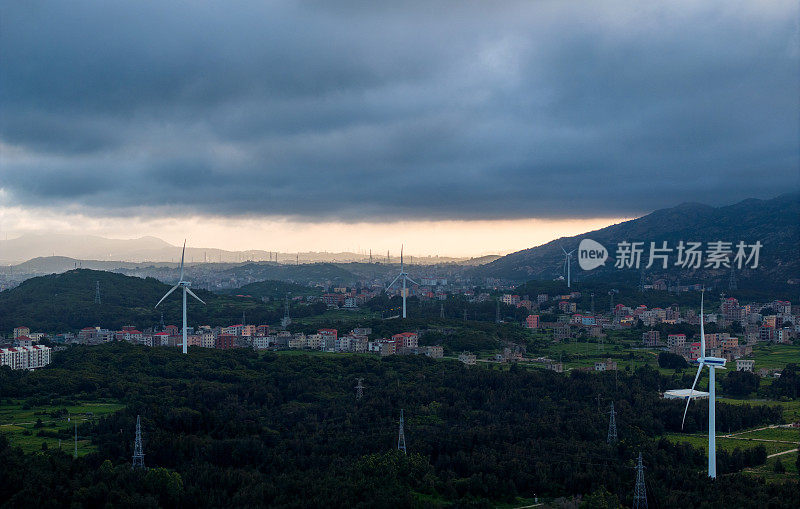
[
  {"x": 612, "y": 426},
  {"x": 401, "y": 437},
  {"x": 138, "y": 452},
  {"x": 360, "y": 389},
  {"x": 640, "y": 492},
  {"x": 97, "y": 292}
]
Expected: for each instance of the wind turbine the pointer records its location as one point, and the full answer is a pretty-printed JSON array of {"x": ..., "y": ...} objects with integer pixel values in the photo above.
[
  {"x": 185, "y": 286},
  {"x": 567, "y": 263},
  {"x": 713, "y": 364},
  {"x": 404, "y": 276}
]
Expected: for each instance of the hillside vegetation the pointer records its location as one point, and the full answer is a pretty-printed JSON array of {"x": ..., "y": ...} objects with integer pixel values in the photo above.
[
  {"x": 66, "y": 302},
  {"x": 238, "y": 429},
  {"x": 772, "y": 222}
]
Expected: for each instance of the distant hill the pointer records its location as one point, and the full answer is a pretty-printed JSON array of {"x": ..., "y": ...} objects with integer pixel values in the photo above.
[
  {"x": 274, "y": 290},
  {"x": 152, "y": 249},
  {"x": 774, "y": 222},
  {"x": 66, "y": 302},
  {"x": 303, "y": 273}
]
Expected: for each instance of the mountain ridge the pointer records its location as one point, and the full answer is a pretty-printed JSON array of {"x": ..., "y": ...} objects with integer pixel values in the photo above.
[{"x": 774, "y": 222}]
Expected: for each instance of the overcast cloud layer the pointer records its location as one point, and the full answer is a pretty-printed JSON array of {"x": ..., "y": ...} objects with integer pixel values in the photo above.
[{"x": 438, "y": 110}]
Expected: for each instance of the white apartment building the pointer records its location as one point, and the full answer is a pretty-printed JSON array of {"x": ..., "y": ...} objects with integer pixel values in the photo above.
[{"x": 25, "y": 357}]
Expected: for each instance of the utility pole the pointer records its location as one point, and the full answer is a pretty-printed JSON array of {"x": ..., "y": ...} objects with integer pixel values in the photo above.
[
  {"x": 465, "y": 314},
  {"x": 401, "y": 437},
  {"x": 612, "y": 426},
  {"x": 97, "y": 292},
  {"x": 360, "y": 389},
  {"x": 640, "y": 492},
  {"x": 441, "y": 310},
  {"x": 138, "y": 451},
  {"x": 592, "y": 303},
  {"x": 497, "y": 313}
]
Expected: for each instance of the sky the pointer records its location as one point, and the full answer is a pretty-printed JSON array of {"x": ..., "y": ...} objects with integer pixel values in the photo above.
[{"x": 455, "y": 127}]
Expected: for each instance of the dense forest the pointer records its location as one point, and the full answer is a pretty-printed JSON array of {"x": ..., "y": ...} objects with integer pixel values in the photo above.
[{"x": 239, "y": 429}]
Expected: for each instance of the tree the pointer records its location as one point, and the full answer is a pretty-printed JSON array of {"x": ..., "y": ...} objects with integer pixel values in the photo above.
[
  {"x": 669, "y": 360},
  {"x": 740, "y": 383}
]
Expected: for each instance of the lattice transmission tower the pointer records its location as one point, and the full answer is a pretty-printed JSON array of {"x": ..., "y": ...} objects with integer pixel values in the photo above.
[
  {"x": 97, "y": 292},
  {"x": 360, "y": 389},
  {"x": 612, "y": 426},
  {"x": 640, "y": 492},
  {"x": 401, "y": 436},
  {"x": 138, "y": 451}
]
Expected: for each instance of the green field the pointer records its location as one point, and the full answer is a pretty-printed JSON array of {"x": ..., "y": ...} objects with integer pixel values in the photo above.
[
  {"x": 775, "y": 356},
  {"x": 781, "y": 434},
  {"x": 20, "y": 424},
  {"x": 728, "y": 444}
]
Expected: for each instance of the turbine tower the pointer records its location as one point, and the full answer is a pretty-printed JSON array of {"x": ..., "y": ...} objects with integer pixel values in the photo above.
[
  {"x": 567, "y": 265},
  {"x": 713, "y": 363},
  {"x": 184, "y": 285},
  {"x": 404, "y": 276}
]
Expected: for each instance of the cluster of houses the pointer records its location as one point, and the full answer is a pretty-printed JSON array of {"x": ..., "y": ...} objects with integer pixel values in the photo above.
[
  {"x": 23, "y": 352},
  {"x": 258, "y": 337},
  {"x": 770, "y": 322}
]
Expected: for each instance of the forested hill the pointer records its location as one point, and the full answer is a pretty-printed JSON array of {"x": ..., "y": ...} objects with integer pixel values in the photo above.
[
  {"x": 66, "y": 302},
  {"x": 774, "y": 222},
  {"x": 232, "y": 428},
  {"x": 274, "y": 290}
]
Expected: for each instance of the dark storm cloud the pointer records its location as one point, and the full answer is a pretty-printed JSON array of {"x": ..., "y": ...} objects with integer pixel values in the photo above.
[{"x": 357, "y": 111}]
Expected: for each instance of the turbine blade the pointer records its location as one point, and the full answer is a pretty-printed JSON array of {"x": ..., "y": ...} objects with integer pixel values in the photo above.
[
  {"x": 393, "y": 282},
  {"x": 167, "y": 295},
  {"x": 193, "y": 295},
  {"x": 412, "y": 280},
  {"x": 183, "y": 253},
  {"x": 562, "y": 248},
  {"x": 702, "y": 329},
  {"x": 691, "y": 393}
]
